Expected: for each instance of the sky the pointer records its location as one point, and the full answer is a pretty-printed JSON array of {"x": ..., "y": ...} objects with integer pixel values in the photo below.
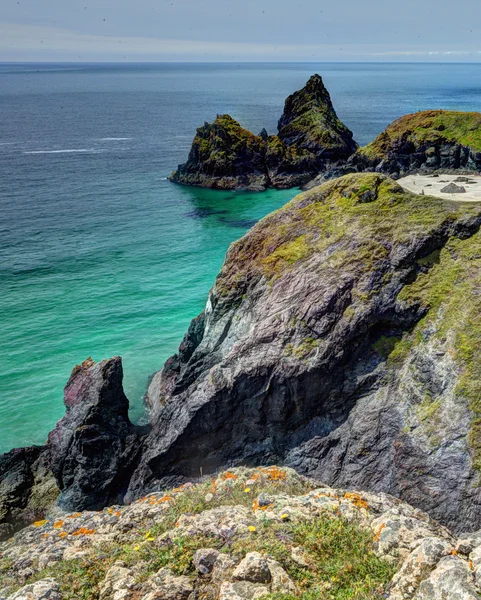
[{"x": 240, "y": 30}]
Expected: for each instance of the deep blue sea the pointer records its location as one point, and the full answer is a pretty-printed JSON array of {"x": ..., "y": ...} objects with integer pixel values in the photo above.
[{"x": 99, "y": 254}]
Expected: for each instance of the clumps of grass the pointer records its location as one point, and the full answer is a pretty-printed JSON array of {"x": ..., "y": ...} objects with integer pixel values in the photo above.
[{"x": 342, "y": 564}]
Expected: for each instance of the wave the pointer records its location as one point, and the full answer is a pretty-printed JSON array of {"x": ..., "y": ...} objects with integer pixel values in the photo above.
[
  {"x": 113, "y": 139},
  {"x": 68, "y": 151}
]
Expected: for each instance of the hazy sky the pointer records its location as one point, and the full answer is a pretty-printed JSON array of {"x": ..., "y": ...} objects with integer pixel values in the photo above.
[{"x": 240, "y": 30}]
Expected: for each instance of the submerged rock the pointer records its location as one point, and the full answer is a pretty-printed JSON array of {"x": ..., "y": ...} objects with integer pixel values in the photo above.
[{"x": 311, "y": 137}]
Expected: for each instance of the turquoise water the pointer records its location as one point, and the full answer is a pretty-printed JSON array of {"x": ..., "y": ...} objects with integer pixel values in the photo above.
[{"x": 100, "y": 254}]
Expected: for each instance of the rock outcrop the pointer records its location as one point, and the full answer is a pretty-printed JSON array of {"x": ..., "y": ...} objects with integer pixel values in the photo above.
[
  {"x": 311, "y": 138},
  {"x": 27, "y": 488},
  {"x": 89, "y": 456},
  {"x": 221, "y": 540},
  {"x": 94, "y": 447},
  {"x": 338, "y": 339},
  {"x": 226, "y": 156}
]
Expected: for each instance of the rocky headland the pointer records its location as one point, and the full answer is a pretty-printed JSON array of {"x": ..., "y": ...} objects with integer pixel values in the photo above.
[
  {"x": 432, "y": 141},
  {"x": 311, "y": 139}
]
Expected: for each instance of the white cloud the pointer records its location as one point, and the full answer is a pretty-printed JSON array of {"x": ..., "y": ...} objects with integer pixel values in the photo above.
[{"x": 32, "y": 42}]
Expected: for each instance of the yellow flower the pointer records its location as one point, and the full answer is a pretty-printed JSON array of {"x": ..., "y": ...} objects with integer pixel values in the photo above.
[
  {"x": 137, "y": 548},
  {"x": 247, "y": 490},
  {"x": 148, "y": 534},
  {"x": 252, "y": 528},
  {"x": 284, "y": 517}
]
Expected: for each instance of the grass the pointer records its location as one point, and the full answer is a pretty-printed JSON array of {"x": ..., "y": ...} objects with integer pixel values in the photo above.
[
  {"x": 344, "y": 566},
  {"x": 353, "y": 229},
  {"x": 428, "y": 128}
]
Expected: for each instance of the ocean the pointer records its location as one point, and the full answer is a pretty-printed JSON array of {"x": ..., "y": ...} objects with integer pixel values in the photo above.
[{"x": 100, "y": 255}]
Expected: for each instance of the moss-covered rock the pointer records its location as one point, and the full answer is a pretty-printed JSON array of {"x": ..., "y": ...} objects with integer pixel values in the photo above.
[
  {"x": 311, "y": 137},
  {"x": 425, "y": 141},
  {"x": 224, "y": 155},
  {"x": 309, "y": 122}
]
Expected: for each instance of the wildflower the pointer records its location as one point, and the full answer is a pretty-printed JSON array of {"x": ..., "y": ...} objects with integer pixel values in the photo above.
[
  {"x": 285, "y": 516},
  {"x": 247, "y": 490},
  {"x": 252, "y": 528},
  {"x": 137, "y": 548}
]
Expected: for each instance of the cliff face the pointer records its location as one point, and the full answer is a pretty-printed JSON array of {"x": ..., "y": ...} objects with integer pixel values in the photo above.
[
  {"x": 335, "y": 340},
  {"x": 311, "y": 137},
  {"x": 341, "y": 337}
]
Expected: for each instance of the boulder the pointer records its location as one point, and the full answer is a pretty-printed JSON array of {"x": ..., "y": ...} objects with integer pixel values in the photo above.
[{"x": 452, "y": 188}]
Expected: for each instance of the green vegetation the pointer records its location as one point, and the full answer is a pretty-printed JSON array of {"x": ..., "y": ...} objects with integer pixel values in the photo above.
[
  {"x": 451, "y": 290},
  {"x": 433, "y": 127},
  {"x": 339, "y": 552},
  {"x": 385, "y": 345},
  {"x": 359, "y": 215},
  {"x": 303, "y": 349}
]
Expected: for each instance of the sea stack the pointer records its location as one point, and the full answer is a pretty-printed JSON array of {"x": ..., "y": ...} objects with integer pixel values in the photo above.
[{"x": 311, "y": 139}]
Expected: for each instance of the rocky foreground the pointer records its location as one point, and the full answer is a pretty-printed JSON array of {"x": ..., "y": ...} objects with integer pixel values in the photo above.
[
  {"x": 311, "y": 138},
  {"x": 247, "y": 533}
]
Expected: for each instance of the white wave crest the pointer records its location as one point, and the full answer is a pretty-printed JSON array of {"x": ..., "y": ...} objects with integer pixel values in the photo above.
[
  {"x": 68, "y": 151},
  {"x": 113, "y": 139}
]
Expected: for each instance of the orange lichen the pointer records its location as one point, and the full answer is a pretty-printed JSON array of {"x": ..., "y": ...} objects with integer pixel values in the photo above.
[
  {"x": 228, "y": 475},
  {"x": 377, "y": 537},
  {"x": 63, "y": 534},
  {"x": 273, "y": 473},
  {"x": 58, "y": 525},
  {"x": 357, "y": 500},
  {"x": 74, "y": 516},
  {"x": 255, "y": 506},
  {"x": 84, "y": 531},
  {"x": 41, "y": 523}
]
